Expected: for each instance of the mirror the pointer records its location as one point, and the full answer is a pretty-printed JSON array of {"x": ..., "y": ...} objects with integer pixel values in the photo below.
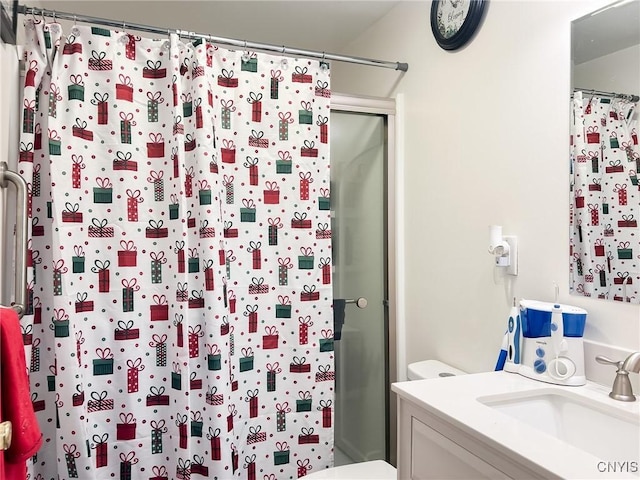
[{"x": 605, "y": 156}]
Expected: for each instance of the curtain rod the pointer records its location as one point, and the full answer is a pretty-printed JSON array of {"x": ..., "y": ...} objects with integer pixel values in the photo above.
[
  {"x": 26, "y": 10},
  {"x": 625, "y": 96}
]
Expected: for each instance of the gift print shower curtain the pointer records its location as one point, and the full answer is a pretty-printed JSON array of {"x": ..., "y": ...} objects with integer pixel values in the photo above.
[
  {"x": 605, "y": 204},
  {"x": 179, "y": 323}
]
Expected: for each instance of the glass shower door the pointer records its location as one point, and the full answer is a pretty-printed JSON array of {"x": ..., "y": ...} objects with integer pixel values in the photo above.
[{"x": 358, "y": 201}]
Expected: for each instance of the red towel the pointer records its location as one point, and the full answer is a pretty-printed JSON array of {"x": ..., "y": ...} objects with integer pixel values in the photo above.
[{"x": 16, "y": 405}]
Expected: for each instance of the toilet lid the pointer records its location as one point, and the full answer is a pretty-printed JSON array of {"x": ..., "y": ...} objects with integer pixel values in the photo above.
[
  {"x": 373, "y": 470},
  {"x": 431, "y": 369}
]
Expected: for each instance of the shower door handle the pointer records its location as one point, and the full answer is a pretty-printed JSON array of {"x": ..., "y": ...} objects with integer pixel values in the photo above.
[
  {"x": 360, "y": 302},
  {"x": 6, "y": 175}
]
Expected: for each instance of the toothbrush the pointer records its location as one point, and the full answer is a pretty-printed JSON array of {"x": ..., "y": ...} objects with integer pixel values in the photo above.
[
  {"x": 517, "y": 338},
  {"x": 502, "y": 357},
  {"x": 513, "y": 335}
]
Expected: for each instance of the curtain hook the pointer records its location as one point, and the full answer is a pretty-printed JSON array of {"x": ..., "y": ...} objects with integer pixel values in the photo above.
[
  {"x": 323, "y": 62},
  {"x": 74, "y": 30},
  {"x": 54, "y": 16},
  {"x": 124, "y": 40},
  {"x": 245, "y": 56},
  {"x": 283, "y": 49}
]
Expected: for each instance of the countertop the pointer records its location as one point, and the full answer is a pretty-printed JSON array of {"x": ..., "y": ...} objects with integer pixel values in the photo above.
[{"x": 454, "y": 400}]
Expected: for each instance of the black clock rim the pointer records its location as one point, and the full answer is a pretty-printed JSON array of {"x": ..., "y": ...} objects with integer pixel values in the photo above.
[{"x": 476, "y": 9}]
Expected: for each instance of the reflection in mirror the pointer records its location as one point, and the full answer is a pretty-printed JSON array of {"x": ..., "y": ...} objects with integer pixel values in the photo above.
[{"x": 605, "y": 156}]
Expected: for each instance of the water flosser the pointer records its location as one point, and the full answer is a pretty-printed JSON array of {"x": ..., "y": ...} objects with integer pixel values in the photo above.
[
  {"x": 559, "y": 369},
  {"x": 557, "y": 330},
  {"x": 558, "y": 342}
]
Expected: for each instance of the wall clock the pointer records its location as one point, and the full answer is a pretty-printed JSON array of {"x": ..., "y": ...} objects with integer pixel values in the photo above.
[{"x": 454, "y": 22}]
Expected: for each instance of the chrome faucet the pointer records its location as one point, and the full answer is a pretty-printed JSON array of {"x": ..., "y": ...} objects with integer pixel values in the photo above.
[{"x": 622, "y": 389}]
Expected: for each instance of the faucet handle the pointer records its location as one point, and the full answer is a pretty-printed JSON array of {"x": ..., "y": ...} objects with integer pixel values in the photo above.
[
  {"x": 622, "y": 389},
  {"x": 607, "y": 361}
]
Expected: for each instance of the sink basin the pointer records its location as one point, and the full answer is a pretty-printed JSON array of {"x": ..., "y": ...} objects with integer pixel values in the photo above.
[{"x": 601, "y": 429}]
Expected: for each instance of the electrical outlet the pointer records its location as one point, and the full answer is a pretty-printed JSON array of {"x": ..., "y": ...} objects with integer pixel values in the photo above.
[{"x": 512, "y": 240}]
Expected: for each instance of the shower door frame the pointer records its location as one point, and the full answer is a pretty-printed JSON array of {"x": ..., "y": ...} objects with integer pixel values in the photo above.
[{"x": 386, "y": 108}]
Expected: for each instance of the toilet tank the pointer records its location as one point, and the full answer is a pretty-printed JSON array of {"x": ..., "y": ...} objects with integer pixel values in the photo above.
[{"x": 431, "y": 369}]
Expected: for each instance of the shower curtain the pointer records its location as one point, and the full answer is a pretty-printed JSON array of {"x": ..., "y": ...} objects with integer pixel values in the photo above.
[
  {"x": 605, "y": 161},
  {"x": 179, "y": 323}
]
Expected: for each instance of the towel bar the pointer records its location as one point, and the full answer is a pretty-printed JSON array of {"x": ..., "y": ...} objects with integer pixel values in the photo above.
[{"x": 6, "y": 175}]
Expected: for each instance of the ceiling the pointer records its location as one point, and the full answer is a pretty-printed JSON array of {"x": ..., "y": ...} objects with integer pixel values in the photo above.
[
  {"x": 322, "y": 25},
  {"x": 605, "y": 31}
]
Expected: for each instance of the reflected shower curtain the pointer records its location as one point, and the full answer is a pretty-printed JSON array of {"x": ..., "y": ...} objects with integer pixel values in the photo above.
[
  {"x": 605, "y": 160},
  {"x": 179, "y": 323}
]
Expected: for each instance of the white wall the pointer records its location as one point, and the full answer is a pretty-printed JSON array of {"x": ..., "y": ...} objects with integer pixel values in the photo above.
[
  {"x": 486, "y": 142},
  {"x": 617, "y": 72},
  {"x": 9, "y": 102}
]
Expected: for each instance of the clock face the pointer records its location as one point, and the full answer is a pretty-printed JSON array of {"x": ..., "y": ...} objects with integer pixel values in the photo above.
[
  {"x": 451, "y": 16},
  {"x": 453, "y": 22}
]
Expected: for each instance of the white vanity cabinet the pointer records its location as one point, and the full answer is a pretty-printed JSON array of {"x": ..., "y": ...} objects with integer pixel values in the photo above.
[
  {"x": 431, "y": 447},
  {"x": 493, "y": 425}
]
